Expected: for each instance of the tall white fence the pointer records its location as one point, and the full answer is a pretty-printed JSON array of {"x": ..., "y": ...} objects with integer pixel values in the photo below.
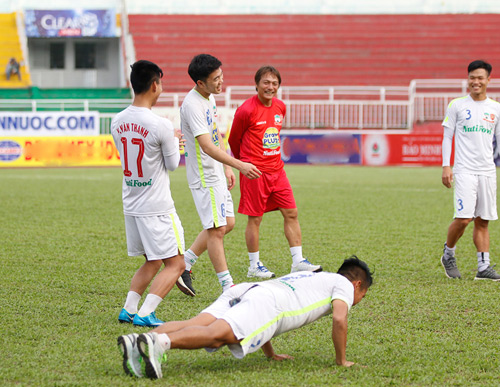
[{"x": 313, "y": 108}]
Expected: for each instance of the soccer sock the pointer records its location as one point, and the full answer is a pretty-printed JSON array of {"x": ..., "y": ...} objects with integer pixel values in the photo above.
[
  {"x": 132, "y": 302},
  {"x": 296, "y": 255},
  {"x": 225, "y": 280},
  {"x": 164, "y": 341},
  {"x": 449, "y": 252},
  {"x": 483, "y": 261},
  {"x": 254, "y": 258},
  {"x": 190, "y": 259},
  {"x": 150, "y": 304}
]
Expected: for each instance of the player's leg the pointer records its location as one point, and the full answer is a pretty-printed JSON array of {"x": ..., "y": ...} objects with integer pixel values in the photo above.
[
  {"x": 152, "y": 346},
  {"x": 486, "y": 211},
  {"x": 215, "y": 249},
  {"x": 163, "y": 239},
  {"x": 465, "y": 198},
  {"x": 256, "y": 268},
  {"x": 142, "y": 277}
]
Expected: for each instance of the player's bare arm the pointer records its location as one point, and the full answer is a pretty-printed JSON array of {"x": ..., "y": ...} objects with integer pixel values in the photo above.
[
  {"x": 447, "y": 177},
  {"x": 339, "y": 332},
  {"x": 268, "y": 350},
  {"x": 228, "y": 171},
  {"x": 247, "y": 169}
]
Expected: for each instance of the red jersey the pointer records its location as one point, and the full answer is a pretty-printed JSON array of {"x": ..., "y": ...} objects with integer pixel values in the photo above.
[{"x": 255, "y": 134}]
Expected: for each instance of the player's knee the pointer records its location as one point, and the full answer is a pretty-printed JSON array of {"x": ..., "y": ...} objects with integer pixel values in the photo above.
[{"x": 230, "y": 224}]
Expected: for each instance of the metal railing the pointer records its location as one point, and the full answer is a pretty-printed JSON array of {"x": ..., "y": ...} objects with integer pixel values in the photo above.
[{"x": 354, "y": 108}]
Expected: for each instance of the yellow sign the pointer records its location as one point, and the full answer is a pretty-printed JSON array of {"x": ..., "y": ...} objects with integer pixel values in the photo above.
[{"x": 84, "y": 151}]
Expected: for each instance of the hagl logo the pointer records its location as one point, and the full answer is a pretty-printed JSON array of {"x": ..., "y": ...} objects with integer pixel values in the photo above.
[
  {"x": 277, "y": 119},
  {"x": 271, "y": 139},
  {"x": 489, "y": 117},
  {"x": 10, "y": 150}
]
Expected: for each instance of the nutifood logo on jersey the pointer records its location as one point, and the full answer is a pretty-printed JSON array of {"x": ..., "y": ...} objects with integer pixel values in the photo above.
[
  {"x": 489, "y": 117},
  {"x": 477, "y": 129},
  {"x": 137, "y": 183},
  {"x": 271, "y": 139}
]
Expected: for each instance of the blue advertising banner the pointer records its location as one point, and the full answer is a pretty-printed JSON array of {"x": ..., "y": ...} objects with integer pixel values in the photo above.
[
  {"x": 70, "y": 23},
  {"x": 337, "y": 148}
]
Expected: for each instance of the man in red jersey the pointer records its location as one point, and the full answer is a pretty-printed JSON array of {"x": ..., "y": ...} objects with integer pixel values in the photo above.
[{"x": 255, "y": 138}]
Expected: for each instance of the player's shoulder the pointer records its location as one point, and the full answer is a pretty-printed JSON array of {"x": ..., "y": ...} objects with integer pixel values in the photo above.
[{"x": 458, "y": 101}]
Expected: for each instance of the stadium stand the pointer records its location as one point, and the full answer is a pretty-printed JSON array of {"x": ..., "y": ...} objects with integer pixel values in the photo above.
[
  {"x": 10, "y": 47},
  {"x": 319, "y": 50}
]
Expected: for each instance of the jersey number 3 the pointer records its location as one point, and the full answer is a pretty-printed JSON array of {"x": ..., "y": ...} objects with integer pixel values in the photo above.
[{"x": 136, "y": 141}]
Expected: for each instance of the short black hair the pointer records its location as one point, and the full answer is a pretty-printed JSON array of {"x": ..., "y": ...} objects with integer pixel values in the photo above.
[
  {"x": 143, "y": 74},
  {"x": 202, "y": 66},
  {"x": 355, "y": 269},
  {"x": 479, "y": 64},
  {"x": 264, "y": 70}
]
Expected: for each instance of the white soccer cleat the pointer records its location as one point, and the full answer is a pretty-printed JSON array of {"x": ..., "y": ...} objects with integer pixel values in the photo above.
[
  {"x": 131, "y": 356},
  {"x": 305, "y": 265},
  {"x": 152, "y": 355},
  {"x": 259, "y": 271}
]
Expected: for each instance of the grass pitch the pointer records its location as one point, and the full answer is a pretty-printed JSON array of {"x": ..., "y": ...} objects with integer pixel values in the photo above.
[{"x": 65, "y": 274}]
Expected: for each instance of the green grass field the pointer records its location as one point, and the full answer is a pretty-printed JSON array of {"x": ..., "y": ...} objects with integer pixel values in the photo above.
[{"x": 65, "y": 274}]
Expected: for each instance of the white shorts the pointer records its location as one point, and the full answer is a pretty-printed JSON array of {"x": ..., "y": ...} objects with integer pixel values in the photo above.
[
  {"x": 158, "y": 237},
  {"x": 213, "y": 204},
  {"x": 475, "y": 196},
  {"x": 254, "y": 320}
]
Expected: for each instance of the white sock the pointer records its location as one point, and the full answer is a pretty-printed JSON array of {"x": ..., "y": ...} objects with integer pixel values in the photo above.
[
  {"x": 150, "y": 304},
  {"x": 164, "y": 341},
  {"x": 190, "y": 259},
  {"x": 254, "y": 258},
  {"x": 225, "y": 280},
  {"x": 132, "y": 302},
  {"x": 449, "y": 252},
  {"x": 483, "y": 261},
  {"x": 296, "y": 255}
]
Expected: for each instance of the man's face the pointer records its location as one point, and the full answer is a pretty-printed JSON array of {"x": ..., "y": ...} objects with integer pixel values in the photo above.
[
  {"x": 213, "y": 84},
  {"x": 359, "y": 293},
  {"x": 478, "y": 82},
  {"x": 267, "y": 88}
]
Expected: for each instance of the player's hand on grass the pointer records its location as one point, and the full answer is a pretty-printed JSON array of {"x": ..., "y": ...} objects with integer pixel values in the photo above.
[
  {"x": 250, "y": 171},
  {"x": 280, "y": 357},
  {"x": 346, "y": 363},
  {"x": 447, "y": 177}
]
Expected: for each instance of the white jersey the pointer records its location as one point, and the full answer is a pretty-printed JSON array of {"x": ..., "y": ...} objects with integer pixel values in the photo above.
[
  {"x": 145, "y": 142},
  {"x": 474, "y": 124},
  {"x": 306, "y": 296},
  {"x": 199, "y": 116}
]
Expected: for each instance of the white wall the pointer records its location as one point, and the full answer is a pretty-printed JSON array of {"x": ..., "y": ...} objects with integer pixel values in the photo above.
[{"x": 268, "y": 7}]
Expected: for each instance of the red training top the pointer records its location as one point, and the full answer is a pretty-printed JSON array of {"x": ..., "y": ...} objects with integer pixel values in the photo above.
[{"x": 255, "y": 134}]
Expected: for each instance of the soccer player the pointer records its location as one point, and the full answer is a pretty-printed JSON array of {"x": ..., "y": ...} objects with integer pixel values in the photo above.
[
  {"x": 149, "y": 148},
  {"x": 207, "y": 167},
  {"x": 249, "y": 315},
  {"x": 255, "y": 138},
  {"x": 474, "y": 120}
]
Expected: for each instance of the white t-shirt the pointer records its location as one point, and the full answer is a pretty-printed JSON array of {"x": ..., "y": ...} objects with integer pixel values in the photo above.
[
  {"x": 199, "y": 116},
  {"x": 474, "y": 124},
  {"x": 308, "y": 296},
  {"x": 147, "y": 146}
]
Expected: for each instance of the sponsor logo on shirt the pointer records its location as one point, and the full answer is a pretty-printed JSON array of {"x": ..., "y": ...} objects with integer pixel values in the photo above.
[
  {"x": 215, "y": 135},
  {"x": 489, "y": 117},
  {"x": 209, "y": 117},
  {"x": 137, "y": 183},
  {"x": 261, "y": 123},
  {"x": 476, "y": 128},
  {"x": 271, "y": 139}
]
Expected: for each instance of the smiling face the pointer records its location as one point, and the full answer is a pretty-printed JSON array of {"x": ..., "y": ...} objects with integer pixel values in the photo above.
[
  {"x": 267, "y": 88},
  {"x": 213, "y": 84},
  {"x": 478, "y": 82}
]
